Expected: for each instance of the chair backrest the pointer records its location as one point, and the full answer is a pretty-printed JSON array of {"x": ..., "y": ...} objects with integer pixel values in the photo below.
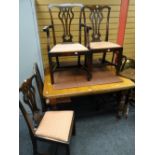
[
  {"x": 97, "y": 16},
  {"x": 28, "y": 92},
  {"x": 63, "y": 15},
  {"x": 40, "y": 85}
]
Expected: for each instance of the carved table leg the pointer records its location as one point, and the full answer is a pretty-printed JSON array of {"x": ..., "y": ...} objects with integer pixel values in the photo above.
[
  {"x": 123, "y": 103},
  {"x": 120, "y": 104},
  {"x": 126, "y": 104}
]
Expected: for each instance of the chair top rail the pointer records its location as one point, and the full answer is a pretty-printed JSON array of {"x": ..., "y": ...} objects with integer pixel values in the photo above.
[
  {"x": 97, "y": 6},
  {"x": 66, "y": 5}
]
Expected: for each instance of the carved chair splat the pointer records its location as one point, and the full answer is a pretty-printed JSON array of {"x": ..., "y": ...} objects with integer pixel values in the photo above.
[{"x": 67, "y": 47}]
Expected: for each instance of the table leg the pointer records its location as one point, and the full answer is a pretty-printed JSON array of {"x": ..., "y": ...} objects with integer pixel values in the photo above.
[
  {"x": 126, "y": 104},
  {"x": 120, "y": 104},
  {"x": 123, "y": 103}
]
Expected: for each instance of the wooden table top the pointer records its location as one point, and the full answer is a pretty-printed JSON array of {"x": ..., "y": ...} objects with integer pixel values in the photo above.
[{"x": 51, "y": 93}]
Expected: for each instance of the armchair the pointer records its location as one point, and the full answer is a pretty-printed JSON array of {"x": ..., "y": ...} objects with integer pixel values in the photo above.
[
  {"x": 64, "y": 16},
  {"x": 96, "y": 16}
]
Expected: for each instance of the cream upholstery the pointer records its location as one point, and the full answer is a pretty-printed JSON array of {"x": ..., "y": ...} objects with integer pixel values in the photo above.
[
  {"x": 103, "y": 45},
  {"x": 56, "y": 125},
  {"x": 70, "y": 47}
]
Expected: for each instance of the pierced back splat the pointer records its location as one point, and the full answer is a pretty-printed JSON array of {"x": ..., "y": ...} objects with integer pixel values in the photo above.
[
  {"x": 66, "y": 16},
  {"x": 29, "y": 97},
  {"x": 96, "y": 17}
]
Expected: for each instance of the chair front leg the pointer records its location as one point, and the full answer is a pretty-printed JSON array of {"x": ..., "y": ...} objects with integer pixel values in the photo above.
[
  {"x": 103, "y": 57},
  {"x": 57, "y": 61},
  {"x": 88, "y": 60},
  {"x": 119, "y": 60},
  {"x": 74, "y": 129},
  {"x": 67, "y": 149},
  {"x": 35, "y": 152},
  {"x": 79, "y": 60},
  {"x": 51, "y": 69}
]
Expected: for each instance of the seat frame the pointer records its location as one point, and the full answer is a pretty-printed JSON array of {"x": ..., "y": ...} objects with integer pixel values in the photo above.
[
  {"x": 96, "y": 14},
  {"x": 65, "y": 14},
  {"x": 28, "y": 91}
]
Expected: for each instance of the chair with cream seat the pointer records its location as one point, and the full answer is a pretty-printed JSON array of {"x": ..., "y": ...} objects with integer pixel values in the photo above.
[
  {"x": 97, "y": 17},
  {"x": 62, "y": 17},
  {"x": 52, "y": 126}
]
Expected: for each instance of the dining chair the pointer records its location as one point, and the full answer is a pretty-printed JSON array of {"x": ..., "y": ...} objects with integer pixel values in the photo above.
[
  {"x": 55, "y": 127},
  {"x": 97, "y": 18},
  {"x": 63, "y": 29}
]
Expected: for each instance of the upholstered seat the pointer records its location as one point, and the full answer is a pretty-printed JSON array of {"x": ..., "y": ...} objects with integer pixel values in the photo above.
[
  {"x": 56, "y": 125},
  {"x": 65, "y": 14},
  {"x": 103, "y": 45},
  {"x": 68, "y": 47}
]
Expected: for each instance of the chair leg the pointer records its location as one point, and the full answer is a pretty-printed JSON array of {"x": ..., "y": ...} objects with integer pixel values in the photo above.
[
  {"x": 57, "y": 60},
  {"x": 34, "y": 147},
  {"x": 79, "y": 60},
  {"x": 119, "y": 61},
  {"x": 67, "y": 149},
  {"x": 51, "y": 74},
  {"x": 74, "y": 129},
  {"x": 51, "y": 68},
  {"x": 103, "y": 57},
  {"x": 89, "y": 59}
]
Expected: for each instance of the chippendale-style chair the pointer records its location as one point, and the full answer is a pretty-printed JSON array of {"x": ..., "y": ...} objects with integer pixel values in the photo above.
[
  {"x": 62, "y": 17},
  {"x": 52, "y": 126},
  {"x": 97, "y": 17}
]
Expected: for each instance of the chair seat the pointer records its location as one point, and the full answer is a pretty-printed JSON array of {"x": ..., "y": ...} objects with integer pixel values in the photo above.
[
  {"x": 103, "y": 45},
  {"x": 56, "y": 126},
  {"x": 69, "y": 47}
]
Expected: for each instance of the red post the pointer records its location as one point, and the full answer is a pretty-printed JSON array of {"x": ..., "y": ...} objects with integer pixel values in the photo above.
[{"x": 122, "y": 22}]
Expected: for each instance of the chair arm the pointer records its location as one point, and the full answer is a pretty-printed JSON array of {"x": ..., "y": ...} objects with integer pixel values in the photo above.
[
  {"x": 124, "y": 60},
  {"x": 46, "y": 30},
  {"x": 87, "y": 29}
]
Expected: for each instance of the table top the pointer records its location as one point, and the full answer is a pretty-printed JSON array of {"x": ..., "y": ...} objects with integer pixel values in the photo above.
[{"x": 49, "y": 92}]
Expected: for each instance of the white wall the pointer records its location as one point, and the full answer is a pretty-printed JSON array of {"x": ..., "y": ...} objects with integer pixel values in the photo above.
[{"x": 29, "y": 46}]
